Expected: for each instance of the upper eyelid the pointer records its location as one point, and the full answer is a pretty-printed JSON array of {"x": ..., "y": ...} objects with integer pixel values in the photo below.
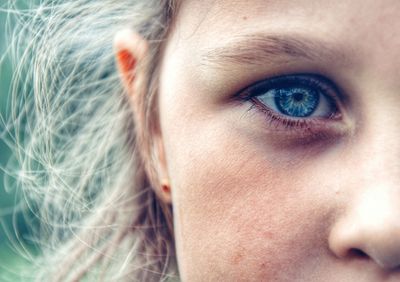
[{"x": 245, "y": 92}]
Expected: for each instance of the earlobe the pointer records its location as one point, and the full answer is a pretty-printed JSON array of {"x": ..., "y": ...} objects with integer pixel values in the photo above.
[
  {"x": 130, "y": 50},
  {"x": 165, "y": 185}
]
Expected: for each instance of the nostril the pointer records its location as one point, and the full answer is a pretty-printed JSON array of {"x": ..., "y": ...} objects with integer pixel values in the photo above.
[{"x": 357, "y": 253}]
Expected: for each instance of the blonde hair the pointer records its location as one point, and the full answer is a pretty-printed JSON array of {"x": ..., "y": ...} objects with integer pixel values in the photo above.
[{"x": 80, "y": 157}]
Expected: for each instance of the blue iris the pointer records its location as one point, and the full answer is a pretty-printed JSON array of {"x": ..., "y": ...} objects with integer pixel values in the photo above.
[{"x": 296, "y": 101}]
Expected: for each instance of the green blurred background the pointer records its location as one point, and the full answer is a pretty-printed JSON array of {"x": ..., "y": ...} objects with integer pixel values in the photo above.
[{"x": 11, "y": 221}]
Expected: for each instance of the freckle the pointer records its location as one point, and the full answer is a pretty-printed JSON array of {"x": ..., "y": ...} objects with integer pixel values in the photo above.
[
  {"x": 238, "y": 255},
  {"x": 244, "y": 18},
  {"x": 268, "y": 235},
  {"x": 237, "y": 258}
]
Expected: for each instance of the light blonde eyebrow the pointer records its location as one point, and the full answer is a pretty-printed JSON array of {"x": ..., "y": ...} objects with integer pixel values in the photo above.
[{"x": 256, "y": 49}]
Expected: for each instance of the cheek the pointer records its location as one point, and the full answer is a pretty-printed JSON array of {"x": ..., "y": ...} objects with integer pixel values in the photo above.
[{"x": 237, "y": 210}]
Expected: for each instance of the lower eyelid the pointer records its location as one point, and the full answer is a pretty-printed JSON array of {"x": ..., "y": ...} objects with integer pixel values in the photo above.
[{"x": 283, "y": 124}]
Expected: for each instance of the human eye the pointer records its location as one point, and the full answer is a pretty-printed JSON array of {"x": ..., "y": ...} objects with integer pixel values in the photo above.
[{"x": 295, "y": 102}]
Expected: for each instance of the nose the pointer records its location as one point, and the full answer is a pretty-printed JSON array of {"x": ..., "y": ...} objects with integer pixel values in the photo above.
[
  {"x": 367, "y": 225},
  {"x": 370, "y": 229}
]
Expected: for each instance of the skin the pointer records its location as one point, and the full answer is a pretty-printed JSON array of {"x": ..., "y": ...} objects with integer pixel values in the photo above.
[{"x": 260, "y": 201}]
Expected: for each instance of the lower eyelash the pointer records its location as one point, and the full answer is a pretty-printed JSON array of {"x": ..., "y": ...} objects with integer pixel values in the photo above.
[{"x": 278, "y": 121}]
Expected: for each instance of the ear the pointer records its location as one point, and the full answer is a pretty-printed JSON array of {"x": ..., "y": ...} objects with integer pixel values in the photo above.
[{"x": 131, "y": 51}]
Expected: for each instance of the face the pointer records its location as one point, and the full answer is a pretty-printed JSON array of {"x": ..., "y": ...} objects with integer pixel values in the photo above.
[{"x": 280, "y": 122}]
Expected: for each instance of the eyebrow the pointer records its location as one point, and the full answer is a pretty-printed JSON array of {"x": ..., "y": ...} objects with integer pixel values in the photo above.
[{"x": 256, "y": 49}]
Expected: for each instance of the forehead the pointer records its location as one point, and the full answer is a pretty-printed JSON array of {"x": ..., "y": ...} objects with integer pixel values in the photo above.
[
  {"x": 290, "y": 7},
  {"x": 364, "y": 31},
  {"x": 358, "y": 20}
]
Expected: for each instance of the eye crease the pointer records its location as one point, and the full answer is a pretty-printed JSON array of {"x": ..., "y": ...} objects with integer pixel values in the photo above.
[{"x": 295, "y": 100}]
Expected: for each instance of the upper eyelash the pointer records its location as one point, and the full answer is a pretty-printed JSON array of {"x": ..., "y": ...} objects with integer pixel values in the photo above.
[{"x": 307, "y": 79}]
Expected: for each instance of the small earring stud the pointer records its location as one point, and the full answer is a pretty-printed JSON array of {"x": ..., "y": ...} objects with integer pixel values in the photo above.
[{"x": 165, "y": 186}]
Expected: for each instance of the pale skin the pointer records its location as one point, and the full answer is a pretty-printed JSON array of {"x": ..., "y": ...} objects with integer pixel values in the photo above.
[{"x": 256, "y": 200}]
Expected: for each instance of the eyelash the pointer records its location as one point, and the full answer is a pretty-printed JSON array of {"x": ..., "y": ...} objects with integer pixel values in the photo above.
[{"x": 312, "y": 81}]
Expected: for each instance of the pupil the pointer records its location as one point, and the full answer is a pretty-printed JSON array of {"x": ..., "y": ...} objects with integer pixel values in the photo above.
[{"x": 297, "y": 97}]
